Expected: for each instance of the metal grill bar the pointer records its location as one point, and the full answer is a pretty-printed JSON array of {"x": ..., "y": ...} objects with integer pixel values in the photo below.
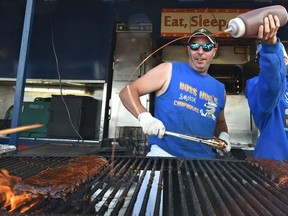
[
  {"x": 263, "y": 206},
  {"x": 109, "y": 181},
  {"x": 43, "y": 203},
  {"x": 121, "y": 200},
  {"x": 207, "y": 206},
  {"x": 184, "y": 203},
  {"x": 218, "y": 199},
  {"x": 117, "y": 182},
  {"x": 170, "y": 190},
  {"x": 148, "y": 189},
  {"x": 137, "y": 188},
  {"x": 28, "y": 166},
  {"x": 233, "y": 187},
  {"x": 262, "y": 180},
  {"x": 228, "y": 184},
  {"x": 177, "y": 186},
  {"x": 196, "y": 204},
  {"x": 271, "y": 201},
  {"x": 159, "y": 190},
  {"x": 227, "y": 199}
]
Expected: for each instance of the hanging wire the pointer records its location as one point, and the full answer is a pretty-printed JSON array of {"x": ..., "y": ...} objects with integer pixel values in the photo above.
[{"x": 59, "y": 74}]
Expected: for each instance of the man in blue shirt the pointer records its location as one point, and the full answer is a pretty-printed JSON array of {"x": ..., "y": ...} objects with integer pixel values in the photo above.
[
  {"x": 187, "y": 101},
  {"x": 267, "y": 94}
]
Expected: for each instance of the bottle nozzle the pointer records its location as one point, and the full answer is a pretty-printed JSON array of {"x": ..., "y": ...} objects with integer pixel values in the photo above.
[
  {"x": 236, "y": 27},
  {"x": 228, "y": 30}
]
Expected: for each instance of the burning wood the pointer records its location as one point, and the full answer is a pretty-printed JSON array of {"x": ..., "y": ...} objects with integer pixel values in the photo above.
[
  {"x": 54, "y": 182},
  {"x": 10, "y": 199}
]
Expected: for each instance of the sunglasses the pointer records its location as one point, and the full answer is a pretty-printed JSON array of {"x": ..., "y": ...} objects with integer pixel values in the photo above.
[{"x": 205, "y": 47}]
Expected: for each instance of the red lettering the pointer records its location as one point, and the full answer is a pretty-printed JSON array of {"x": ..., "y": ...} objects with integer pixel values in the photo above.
[
  {"x": 222, "y": 23},
  {"x": 175, "y": 22},
  {"x": 206, "y": 22},
  {"x": 214, "y": 22},
  {"x": 200, "y": 22},
  {"x": 194, "y": 21},
  {"x": 167, "y": 21},
  {"x": 181, "y": 22}
]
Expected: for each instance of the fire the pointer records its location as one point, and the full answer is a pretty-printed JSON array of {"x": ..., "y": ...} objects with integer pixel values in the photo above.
[{"x": 10, "y": 198}]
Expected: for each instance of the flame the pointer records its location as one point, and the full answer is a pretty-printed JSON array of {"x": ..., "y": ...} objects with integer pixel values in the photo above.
[{"x": 10, "y": 198}]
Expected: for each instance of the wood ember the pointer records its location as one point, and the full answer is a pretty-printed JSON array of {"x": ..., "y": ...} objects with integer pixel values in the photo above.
[
  {"x": 59, "y": 181},
  {"x": 276, "y": 169}
]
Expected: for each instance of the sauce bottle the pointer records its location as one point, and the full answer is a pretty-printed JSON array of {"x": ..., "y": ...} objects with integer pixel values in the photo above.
[{"x": 247, "y": 24}]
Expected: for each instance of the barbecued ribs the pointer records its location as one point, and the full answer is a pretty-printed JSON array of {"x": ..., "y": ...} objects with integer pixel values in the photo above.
[
  {"x": 58, "y": 182},
  {"x": 276, "y": 169}
]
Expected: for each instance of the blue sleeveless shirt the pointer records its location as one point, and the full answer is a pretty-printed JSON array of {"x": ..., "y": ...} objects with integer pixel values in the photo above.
[{"x": 191, "y": 106}]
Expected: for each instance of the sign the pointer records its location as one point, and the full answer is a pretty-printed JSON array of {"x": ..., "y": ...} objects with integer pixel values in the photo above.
[{"x": 177, "y": 22}]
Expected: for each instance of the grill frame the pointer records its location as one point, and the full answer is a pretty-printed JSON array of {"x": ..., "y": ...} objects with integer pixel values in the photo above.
[{"x": 189, "y": 186}]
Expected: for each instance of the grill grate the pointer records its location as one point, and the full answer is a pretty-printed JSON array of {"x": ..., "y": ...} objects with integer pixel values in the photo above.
[{"x": 178, "y": 186}]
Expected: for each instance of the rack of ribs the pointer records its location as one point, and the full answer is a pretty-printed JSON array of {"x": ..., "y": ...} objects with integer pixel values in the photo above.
[
  {"x": 276, "y": 169},
  {"x": 59, "y": 181}
]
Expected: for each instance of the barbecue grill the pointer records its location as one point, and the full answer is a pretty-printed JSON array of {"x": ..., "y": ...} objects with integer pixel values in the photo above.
[{"x": 189, "y": 187}]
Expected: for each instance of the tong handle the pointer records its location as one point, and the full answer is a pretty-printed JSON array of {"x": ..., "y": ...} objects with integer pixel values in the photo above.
[
  {"x": 212, "y": 142},
  {"x": 183, "y": 136}
]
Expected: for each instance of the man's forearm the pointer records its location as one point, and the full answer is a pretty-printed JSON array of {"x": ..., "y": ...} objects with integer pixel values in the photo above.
[
  {"x": 220, "y": 127},
  {"x": 131, "y": 101}
]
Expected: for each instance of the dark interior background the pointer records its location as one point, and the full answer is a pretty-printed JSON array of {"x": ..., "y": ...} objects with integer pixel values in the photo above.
[{"x": 83, "y": 32}]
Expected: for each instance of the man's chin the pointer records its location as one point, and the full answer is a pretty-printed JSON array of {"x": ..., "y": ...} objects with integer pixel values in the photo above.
[{"x": 201, "y": 69}]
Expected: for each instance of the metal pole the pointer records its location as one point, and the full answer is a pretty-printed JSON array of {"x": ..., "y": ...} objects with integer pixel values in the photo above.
[{"x": 21, "y": 72}]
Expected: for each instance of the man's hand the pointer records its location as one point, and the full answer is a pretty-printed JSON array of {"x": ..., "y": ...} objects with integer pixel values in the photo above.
[
  {"x": 151, "y": 125},
  {"x": 225, "y": 136},
  {"x": 268, "y": 31}
]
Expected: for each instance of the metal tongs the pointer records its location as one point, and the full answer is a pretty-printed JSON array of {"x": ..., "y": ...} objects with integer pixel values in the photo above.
[
  {"x": 214, "y": 142},
  {"x": 6, "y": 148}
]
